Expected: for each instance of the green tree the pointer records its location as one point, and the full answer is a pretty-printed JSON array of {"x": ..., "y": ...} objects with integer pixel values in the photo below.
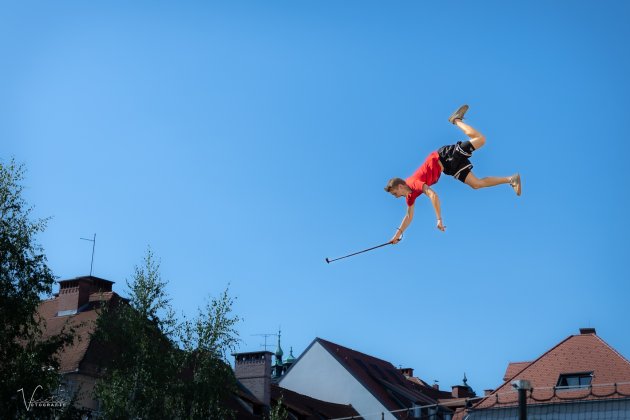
[
  {"x": 157, "y": 367},
  {"x": 141, "y": 366},
  {"x": 278, "y": 411},
  {"x": 206, "y": 343},
  {"x": 28, "y": 359}
]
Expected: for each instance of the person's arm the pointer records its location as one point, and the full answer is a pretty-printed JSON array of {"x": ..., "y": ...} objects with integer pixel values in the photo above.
[
  {"x": 406, "y": 221},
  {"x": 435, "y": 200}
]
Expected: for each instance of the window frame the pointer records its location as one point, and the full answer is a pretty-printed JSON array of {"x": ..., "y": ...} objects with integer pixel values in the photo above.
[{"x": 579, "y": 375}]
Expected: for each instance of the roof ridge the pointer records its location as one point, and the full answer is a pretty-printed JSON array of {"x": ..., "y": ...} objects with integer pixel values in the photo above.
[
  {"x": 531, "y": 364},
  {"x": 354, "y": 351},
  {"x": 357, "y": 364},
  {"x": 524, "y": 369},
  {"x": 621, "y": 356},
  {"x": 539, "y": 357}
]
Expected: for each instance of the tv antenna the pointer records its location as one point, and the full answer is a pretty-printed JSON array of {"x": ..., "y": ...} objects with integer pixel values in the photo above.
[
  {"x": 266, "y": 336},
  {"x": 93, "y": 240}
]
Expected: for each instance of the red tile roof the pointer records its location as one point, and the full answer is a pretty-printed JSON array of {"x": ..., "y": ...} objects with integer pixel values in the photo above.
[
  {"x": 514, "y": 368},
  {"x": 379, "y": 377},
  {"x": 576, "y": 354},
  {"x": 70, "y": 359}
]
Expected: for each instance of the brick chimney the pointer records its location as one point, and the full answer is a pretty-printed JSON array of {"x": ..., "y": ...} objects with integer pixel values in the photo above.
[
  {"x": 408, "y": 372},
  {"x": 461, "y": 391},
  {"x": 587, "y": 331},
  {"x": 253, "y": 370},
  {"x": 75, "y": 293}
]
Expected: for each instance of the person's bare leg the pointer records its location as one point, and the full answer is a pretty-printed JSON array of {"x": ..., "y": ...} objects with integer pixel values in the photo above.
[
  {"x": 491, "y": 181},
  {"x": 476, "y": 138}
]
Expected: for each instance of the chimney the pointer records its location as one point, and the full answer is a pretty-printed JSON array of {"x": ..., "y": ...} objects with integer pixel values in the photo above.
[
  {"x": 75, "y": 293},
  {"x": 253, "y": 370},
  {"x": 487, "y": 392},
  {"x": 461, "y": 391},
  {"x": 436, "y": 386},
  {"x": 408, "y": 372},
  {"x": 584, "y": 331}
]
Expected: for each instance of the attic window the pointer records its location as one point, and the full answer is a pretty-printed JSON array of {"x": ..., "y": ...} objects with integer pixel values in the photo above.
[{"x": 574, "y": 380}]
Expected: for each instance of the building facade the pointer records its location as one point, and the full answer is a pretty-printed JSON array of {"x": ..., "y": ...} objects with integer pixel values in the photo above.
[
  {"x": 582, "y": 377},
  {"x": 374, "y": 387},
  {"x": 76, "y": 304}
]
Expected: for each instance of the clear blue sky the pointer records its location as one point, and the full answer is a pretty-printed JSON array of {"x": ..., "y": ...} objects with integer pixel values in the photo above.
[{"x": 247, "y": 141}]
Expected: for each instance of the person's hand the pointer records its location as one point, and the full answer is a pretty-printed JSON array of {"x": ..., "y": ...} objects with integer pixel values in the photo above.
[
  {"x": 440, "y": 225},
  {"x": 397, "y": 237}
]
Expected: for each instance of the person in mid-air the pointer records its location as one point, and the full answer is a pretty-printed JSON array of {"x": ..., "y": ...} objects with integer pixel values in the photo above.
[{"x": 452, "y": 160}]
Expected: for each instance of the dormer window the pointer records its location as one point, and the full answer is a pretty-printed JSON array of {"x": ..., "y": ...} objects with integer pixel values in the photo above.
[{"x": 574, "y": 380}]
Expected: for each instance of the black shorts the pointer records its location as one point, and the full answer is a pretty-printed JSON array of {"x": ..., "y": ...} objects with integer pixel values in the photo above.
[{"x": 454, "y": 158}]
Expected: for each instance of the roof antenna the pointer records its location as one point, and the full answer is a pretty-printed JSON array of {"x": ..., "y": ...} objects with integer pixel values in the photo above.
[
  {"x": 93, "y": 240},
  {"x": 266, "y": 336}
]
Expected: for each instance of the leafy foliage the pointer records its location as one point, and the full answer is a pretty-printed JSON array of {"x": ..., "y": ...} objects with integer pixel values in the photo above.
[
  {"x": 278, "y": 411},
  {"x": 159, "y": 368},
  {"x": 206, "y": 342},
  {"x": 153, "y": 366},
  {"x": 28, "y": 358},
  {"x": 140, "y": 364}
]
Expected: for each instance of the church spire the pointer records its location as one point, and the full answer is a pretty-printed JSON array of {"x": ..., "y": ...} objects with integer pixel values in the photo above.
[
  {"x": 278, "y": 369},
  {"x": 279, "y": 352}
]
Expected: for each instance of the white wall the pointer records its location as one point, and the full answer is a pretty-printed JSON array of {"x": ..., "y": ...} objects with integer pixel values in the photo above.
[{"x": 317, "y": 374}]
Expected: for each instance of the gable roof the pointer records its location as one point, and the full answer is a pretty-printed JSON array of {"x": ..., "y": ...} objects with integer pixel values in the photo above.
[
  {"x": 514, "y": 368},
  {"x": 386, "y": 383},
  {"x": 585, "y": 352}
]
